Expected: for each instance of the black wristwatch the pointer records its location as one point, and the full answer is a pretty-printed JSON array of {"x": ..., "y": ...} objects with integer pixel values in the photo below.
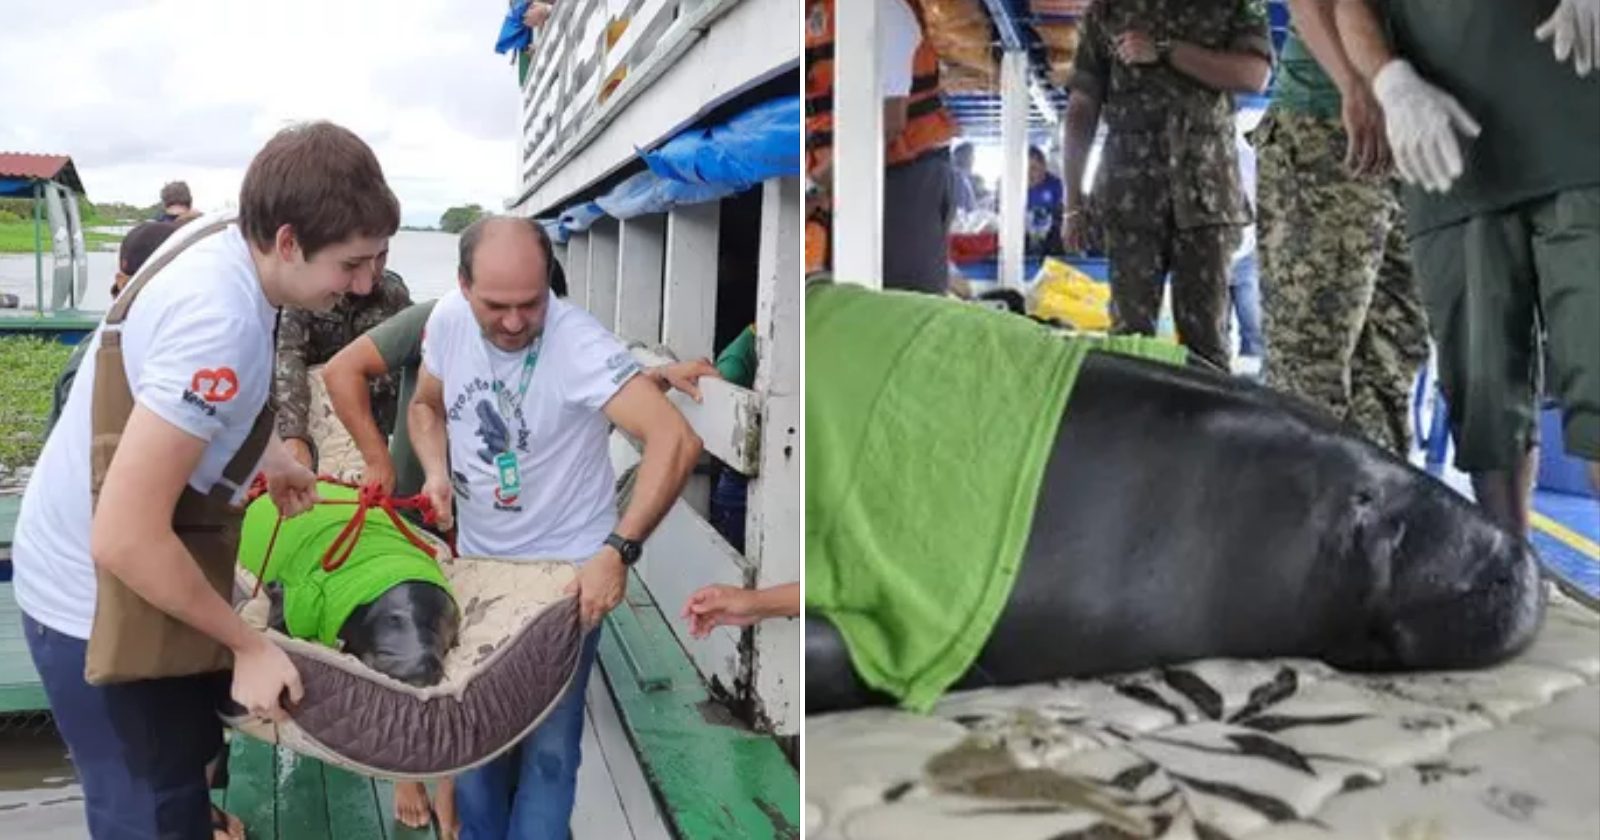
[
  {"x": 629, "y": 549},
  {"x": 1163, "y": 50}
]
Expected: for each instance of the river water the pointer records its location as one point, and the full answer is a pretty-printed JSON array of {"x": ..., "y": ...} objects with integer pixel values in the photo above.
[{"x": 426, "y": 259}]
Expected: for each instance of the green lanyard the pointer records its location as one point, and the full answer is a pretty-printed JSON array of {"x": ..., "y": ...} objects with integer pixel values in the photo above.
[{"x": 507, "y": 409}]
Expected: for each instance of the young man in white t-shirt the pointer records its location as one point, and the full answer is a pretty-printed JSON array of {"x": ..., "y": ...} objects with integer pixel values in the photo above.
[
  {"x": 197, "y": 344},
  {"x": 514, "y": 406}
]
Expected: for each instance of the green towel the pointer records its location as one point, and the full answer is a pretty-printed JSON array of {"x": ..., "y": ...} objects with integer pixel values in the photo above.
[
  {"x": 928, "y": 426},
  {"x": 316, "y": 602}
]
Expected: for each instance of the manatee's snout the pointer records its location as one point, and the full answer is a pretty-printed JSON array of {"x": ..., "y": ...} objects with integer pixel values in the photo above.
[
  {"x": 405, "y": 632},
  {"x": 1469, "y": 597},
  {"x": 421, "y": 671}
]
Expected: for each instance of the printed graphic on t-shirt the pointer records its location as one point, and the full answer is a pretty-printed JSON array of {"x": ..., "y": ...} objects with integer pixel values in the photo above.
[
  {"x": 622, "y": 365},
  {"x": 211, "y": 386},
  {"x": 497, "y": 435}
]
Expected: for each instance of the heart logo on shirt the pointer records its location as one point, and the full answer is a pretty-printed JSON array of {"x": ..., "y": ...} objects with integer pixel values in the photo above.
[{"x": 215, "y": 385}]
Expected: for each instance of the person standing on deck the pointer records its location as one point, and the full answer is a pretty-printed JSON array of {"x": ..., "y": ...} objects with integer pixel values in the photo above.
[
  {"x": 1167, "y": 196},
  {"x": 124, "y": 570},
  {"x": 1343, "y": 315},
  {"x": 1497, "y": 139},
  {"x": 917, "y": 199},
  {"x": 511, "y": 421},
  {"x": 177, "y": 205},
  {"x": 307, "y": 339}
]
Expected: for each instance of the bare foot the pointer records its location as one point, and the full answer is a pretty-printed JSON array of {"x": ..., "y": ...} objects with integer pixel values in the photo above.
[
  {"x": 411, "y": 804},
  {"x": 444, "y": 804}
]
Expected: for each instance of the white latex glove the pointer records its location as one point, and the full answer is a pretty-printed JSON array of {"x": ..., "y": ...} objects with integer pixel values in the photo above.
[
  {"x": 1574, "y": 30},
  {"x": 1421, "y": 121}
]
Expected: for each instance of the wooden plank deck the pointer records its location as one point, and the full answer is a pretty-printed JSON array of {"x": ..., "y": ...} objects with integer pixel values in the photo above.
[{"x": 280, "y": 795}]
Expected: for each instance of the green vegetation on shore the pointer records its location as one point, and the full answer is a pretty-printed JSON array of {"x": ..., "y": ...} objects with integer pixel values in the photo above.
[
  {"x": 16, "y": 224},
  {"x": 456, "y": 219},
  {"x": 17, "y": 238},
  {"x": 31, "y": 365}
]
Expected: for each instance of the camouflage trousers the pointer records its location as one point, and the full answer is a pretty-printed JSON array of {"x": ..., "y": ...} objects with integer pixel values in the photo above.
[
  {"x": 1199, "y": 259},
  {"x": 1341, "y": 307}
]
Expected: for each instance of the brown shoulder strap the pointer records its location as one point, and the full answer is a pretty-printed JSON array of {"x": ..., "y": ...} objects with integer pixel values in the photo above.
[
  {"x": 239, "y": 471},
  {"x": 202, "y": 228}
]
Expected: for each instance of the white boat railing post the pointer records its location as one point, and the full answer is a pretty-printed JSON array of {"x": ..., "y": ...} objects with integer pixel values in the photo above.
[
  {"x": 641, "y": 251},
  {"x": 1014, "y": 143},
  {"x": 689, "y": 301},
  {"x": 577, "y": 266},
  {"x": 602, "y": 302},
  {"x": 773, "y": 527},
  {"x": 857, "y": 236}
]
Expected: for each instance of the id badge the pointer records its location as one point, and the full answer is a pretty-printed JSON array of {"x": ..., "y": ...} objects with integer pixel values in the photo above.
[{"x": 510, "y": 477}]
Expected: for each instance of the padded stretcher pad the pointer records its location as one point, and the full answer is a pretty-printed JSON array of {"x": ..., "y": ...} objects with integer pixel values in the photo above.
[
  {"x": 1264, "y": 750},
  {"x": 518, "y": 647}
]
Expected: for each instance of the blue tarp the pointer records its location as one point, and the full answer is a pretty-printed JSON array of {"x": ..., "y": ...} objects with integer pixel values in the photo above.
[
  {"x": 760, "y": 143},
  {"x": 514, "y": 36},
  {"x": 16, "y": 186},
  {"x": 699, "y": 165},
  {"x": 647, "y": 192}
]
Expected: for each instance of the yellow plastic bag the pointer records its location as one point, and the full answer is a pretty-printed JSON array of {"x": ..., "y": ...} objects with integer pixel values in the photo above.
[{"x": 1063, "y": 293}]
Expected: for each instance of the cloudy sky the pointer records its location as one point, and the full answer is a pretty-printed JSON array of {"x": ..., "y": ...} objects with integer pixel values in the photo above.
[{"x": 140, "y": 92}]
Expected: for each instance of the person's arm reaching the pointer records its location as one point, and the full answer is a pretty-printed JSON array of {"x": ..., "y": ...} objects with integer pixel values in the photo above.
[
  {"x": 290, "y": 386},
  {"x": 1367, "y": 150},
  {"x": 1421, "y": 120},
  {"x": 426, "y": 420},
  {"x": 1361, "y": 35},
  {"x": 347, "y": 376},
  {"x": 131, "y": 537},
  {"x": 670, "y": 450},
  {"x": 1083, "y": 117},
  {"x": 720, "y": 604}
]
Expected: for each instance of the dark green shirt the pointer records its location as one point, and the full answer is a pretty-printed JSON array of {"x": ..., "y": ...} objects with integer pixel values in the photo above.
[
  {"x": 1302, "y": 86},
  {"x": 399, "y": 342},
  {"x": 737, "y": 363},
  {"x": 1541, "y": 122}
]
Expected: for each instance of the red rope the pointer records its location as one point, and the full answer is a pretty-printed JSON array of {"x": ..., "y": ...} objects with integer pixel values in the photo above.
[{"x": 371, "y": 496}]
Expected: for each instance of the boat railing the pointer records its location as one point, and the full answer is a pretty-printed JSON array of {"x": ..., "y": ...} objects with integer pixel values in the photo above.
[{"x": 589, "y": 61}]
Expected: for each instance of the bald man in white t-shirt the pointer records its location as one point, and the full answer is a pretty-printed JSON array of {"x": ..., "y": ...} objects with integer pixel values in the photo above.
[{"x": 511, "y": 420}]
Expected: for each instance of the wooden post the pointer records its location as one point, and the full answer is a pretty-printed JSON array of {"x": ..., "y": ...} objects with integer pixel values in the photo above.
[
  {"x": 603, "y": 271},
  {"x": 774, "y": 526},
  {"x": 643, "y": 249}
]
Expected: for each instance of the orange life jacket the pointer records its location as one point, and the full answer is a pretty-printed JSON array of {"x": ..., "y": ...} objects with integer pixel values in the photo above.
[{"x": 928, "y": 124}]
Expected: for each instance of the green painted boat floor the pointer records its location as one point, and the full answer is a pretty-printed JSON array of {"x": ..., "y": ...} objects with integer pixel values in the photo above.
[
  {"x": 714, "y": 777},
  {"x": 20, "y": 689},
  {"x": 281, "y": 795}
]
